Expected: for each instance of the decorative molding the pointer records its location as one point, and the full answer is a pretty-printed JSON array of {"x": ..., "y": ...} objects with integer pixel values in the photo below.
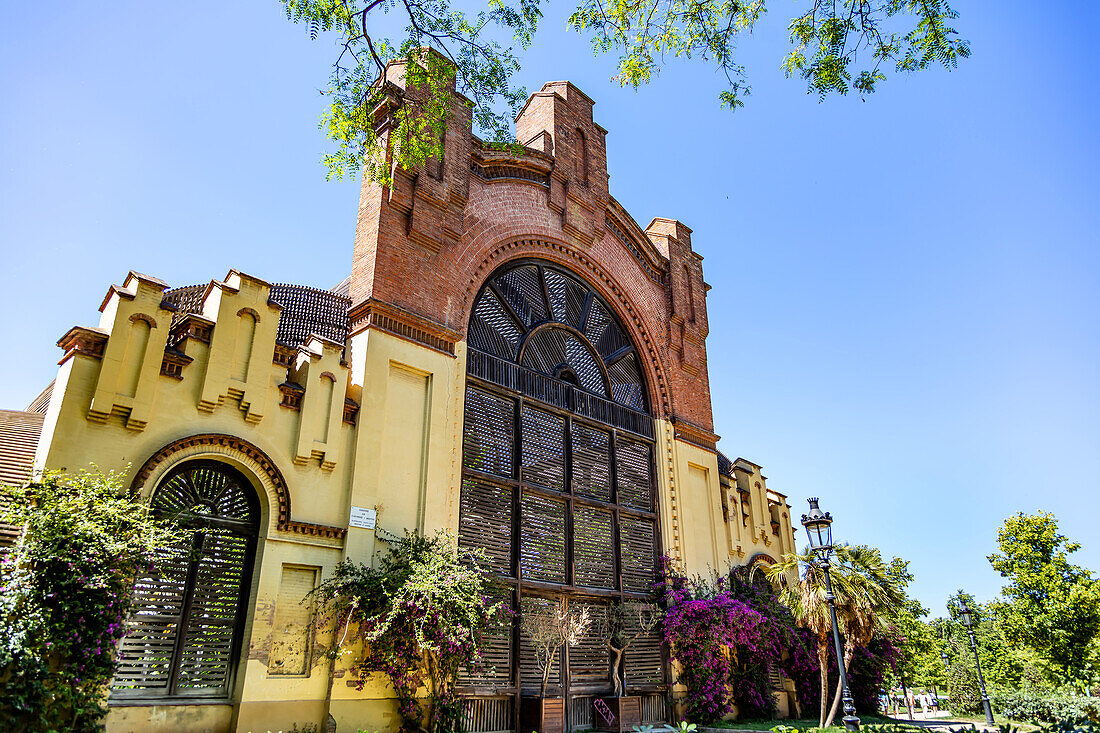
[
  {"x": 351, "y": 410},
  {"x": 291, "y": 395},
  {"x": 83, "y": 340},
  {"x": 192, "y": 326},
  {"x": 492, "y": 171},
  {"x": 173, "y": 363},
  {"x": 695, "y": 435},
  {"x": 393, "y": 320},
  {"x": 259, "y": 460},
  {"x": 252, "y": 311},
  {"x": 148, "y": 320}
]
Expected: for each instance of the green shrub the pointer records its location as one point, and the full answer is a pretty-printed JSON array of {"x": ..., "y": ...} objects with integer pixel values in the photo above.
[
  {"x": 962, "y": 686},
  {"x": 64, "y": 593},
  {"x": 1046, "y": 706}
]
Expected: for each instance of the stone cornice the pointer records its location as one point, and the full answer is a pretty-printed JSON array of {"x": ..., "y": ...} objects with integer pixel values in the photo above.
[
  {"x": 83, "y": 340},
  {"x": 403, "y": 324}
]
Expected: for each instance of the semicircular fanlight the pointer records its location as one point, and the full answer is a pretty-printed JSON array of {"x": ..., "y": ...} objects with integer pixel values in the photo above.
[
  {"x": 552, "y": 322},
  {"x": 206, "y": 490}
]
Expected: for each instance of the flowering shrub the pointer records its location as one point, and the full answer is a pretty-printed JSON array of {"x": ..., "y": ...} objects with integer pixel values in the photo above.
[
  {"x": 64, "y": 592},
  {"x": 730, "y": 634},
  {"x": 706, "y": 630},
  {"x": 422, "y": 612}
]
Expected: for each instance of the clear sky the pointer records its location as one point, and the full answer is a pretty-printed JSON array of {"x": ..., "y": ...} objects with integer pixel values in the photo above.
[{"x": 904, "y": 318}]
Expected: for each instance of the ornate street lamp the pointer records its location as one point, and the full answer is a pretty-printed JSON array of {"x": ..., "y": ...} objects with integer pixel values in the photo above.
[
  {"x": 818, "y": 526},
  {"x": 967, "y": 618}
]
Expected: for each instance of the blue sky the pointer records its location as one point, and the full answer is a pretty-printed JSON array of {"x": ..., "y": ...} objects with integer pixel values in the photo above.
[{"x": 905, "y": 306}]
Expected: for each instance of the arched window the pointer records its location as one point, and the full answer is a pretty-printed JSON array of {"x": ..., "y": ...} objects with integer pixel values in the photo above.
[
  {"x": 184, "y": 633},
  {"x": 558, "y": 479}
]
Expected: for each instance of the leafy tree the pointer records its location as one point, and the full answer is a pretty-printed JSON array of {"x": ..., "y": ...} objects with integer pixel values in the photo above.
[
  {"x": 451, "y": 57},
  {"x": 423, "y": 612},
  {"x": 1050, "y": 605},
  {"x": 65, "y": 591},
  {"x": 865, "y": 592},
  {"x": 919, "y": 662}
]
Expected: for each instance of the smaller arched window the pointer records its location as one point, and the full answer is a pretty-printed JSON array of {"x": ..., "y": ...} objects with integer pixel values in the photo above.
[{"x": 184, "y": 632}]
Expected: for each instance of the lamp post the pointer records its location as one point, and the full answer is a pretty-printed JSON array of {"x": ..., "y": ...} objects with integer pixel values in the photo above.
[
  {"x": 818, "y": 526},
  {"x": 967, "y": 618}
]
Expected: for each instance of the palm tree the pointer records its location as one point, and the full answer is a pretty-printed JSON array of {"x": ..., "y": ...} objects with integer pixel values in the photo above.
[{"x": 864, "y": 591}]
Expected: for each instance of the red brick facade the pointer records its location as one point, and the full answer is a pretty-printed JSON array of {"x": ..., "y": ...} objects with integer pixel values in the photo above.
[{"x": 426, "y": 246}]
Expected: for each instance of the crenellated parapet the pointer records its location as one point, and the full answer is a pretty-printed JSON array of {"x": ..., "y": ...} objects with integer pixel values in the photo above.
[
  {"x": 273, "y": 355},
  {"x": 757, "y": 518},
  {"x": 321, "y": 370},
  {"x": 136, "y": 322}
]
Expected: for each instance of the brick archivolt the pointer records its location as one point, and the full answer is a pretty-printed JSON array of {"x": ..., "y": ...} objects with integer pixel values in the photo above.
[
  {"x": 244, "y": 456},
  {"x": 586, "y": 267}
]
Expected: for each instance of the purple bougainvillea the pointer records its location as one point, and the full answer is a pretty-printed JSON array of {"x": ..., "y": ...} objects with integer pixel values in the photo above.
[{"x": 727, "y": 635}]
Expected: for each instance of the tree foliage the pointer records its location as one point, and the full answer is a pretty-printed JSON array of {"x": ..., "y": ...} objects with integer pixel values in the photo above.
[
  {"x": 453, "y": 57},
  {"x": 445, "y": 52},
  {"x": 423, "y": 612},
  {"x": 865, "y": 593},
  {"x": 65, "y": 590},
  {"x": 1050, "y": 605}
]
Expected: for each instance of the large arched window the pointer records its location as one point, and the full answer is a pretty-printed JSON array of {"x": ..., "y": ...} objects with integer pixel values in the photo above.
[
  {"x": 558, "y": 478},
  {"x": 184, "y": 633}
]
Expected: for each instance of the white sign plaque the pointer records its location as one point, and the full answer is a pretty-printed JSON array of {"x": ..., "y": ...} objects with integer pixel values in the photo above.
[{"x": 362, "y": 517}]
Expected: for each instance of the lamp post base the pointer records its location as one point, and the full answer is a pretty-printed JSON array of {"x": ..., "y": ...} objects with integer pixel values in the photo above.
[{"x": 988, "y": 711}]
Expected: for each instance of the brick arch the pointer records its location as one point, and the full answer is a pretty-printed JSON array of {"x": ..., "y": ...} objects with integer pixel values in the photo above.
[
  {"x": 258, "y": 461},
  {"x": 586, "y": 268}
]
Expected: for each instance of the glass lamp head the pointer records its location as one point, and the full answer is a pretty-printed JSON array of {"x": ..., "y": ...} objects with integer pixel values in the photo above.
[
  {"x": 818, "y": 526},
  {"x": 966, "y": 616}
]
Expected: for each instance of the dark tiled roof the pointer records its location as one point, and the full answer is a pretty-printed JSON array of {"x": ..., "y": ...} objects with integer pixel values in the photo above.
[
  {"x": 309, "y": 311},
  {"x": 306, "y": 311},
  {"x": 187, "y": 300},
  {"x": 41, "y": 403},
  {"x": 19, "y": 433},
  {"x": 725, "y": 465}
]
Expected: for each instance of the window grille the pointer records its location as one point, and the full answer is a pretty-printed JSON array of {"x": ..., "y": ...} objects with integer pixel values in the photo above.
[
  {"x": 183, "y": 635},
  {"x": 558, "y": 480}
]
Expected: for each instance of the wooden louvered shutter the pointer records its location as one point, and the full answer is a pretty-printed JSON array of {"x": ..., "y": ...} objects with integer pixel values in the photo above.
[
  {"x": 487, "y": 439},
  {"x": 529, "y": 674},
  {"x": 591, "y": 474},
  {"x": 147, "y": 652},
  {"x": 184, "y": 630},
  {"x": 634, "y": 480},
  {"x": 206, "y": 654},
  {"x": 496, "y": 647},
  {"x": 542, "y": 539},
  {"x": 643, "y": 660},
  {"x": 589, "y": 661},
  {"x": 637, "y": 537},
  {"x": 593, "y": 547},
  {"x": 543, "y": 435},
  {"x": 485, "y": 521}
]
